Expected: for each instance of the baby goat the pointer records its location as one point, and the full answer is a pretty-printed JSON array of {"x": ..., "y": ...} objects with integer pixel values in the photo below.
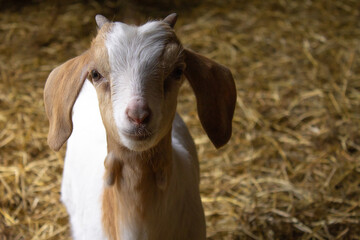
[{"x": 118, "y": 102}]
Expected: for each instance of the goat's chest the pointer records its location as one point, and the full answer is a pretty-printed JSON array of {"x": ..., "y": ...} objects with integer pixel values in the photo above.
[{"x": 82, "y": 183}]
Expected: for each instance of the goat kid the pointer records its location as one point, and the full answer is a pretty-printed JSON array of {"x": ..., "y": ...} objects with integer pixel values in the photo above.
[{"x": 118, "y": 102}]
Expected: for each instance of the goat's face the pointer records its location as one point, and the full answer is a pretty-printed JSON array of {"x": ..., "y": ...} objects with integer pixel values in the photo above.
[
  {"x": 138, "y": 86},
  {"x": 137, "y": 72}
]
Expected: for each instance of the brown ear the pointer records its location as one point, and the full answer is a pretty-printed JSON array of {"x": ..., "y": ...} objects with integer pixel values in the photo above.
[
  {"x": 61, "y": 90},
  {"x": 215, "y": 93}
]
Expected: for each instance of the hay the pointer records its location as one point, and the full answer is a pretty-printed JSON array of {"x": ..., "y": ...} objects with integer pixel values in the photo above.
[{"x": 292, "y": 167}]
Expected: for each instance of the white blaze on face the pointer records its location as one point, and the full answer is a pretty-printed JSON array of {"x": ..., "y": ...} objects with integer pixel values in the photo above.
[{"x": 134, "y": 54}]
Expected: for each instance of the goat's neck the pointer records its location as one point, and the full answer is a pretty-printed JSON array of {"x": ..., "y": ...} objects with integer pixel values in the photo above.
[{"x": 135, "y": 184}]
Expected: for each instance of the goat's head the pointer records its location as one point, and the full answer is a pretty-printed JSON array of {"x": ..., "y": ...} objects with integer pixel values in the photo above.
[{"x": 137, "y": 72}]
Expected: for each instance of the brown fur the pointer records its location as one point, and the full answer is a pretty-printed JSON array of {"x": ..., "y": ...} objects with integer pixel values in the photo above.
[
  {"x": 110, "y": 213},
  {"x": 113, "y": 169},
  {"x": 208, "y": 78},
  {"x": 99, "y": 51},
  {"x": 139, "y": 180}
]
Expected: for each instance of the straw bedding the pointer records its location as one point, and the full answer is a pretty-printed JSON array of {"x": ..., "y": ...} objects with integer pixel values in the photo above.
[{"x": 292, "y": 167}]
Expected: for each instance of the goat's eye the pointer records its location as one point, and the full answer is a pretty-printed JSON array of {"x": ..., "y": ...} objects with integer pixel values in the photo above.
[
  {"x": 177, "y": 73},
  {"x": 95, "y": 75},
  {"x": 175, "y": 76}
]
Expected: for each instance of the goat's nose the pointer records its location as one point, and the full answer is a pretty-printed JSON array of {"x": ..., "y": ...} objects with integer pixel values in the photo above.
[{"x": 138, "y": 111}]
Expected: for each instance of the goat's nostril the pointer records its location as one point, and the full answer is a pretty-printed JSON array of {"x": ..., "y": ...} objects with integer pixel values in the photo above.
[
  {"x": 139, "y": 118},
  {"x": 138, "y": 112}
]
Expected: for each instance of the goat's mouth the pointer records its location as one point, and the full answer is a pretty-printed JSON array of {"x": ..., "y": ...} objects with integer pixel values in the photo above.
[{"x": 138, "y": 134}]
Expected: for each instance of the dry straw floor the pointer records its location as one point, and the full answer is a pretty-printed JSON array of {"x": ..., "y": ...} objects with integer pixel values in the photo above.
[{"x": 292, "y": 167}]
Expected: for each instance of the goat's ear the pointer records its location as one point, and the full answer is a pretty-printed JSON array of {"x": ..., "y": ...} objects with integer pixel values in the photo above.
[
  {"x": 171, "y": 19},
  {"x": 61, "y": 90},
  {"x": 215, "y": 93},
  {"x": 101, "y": 20}
]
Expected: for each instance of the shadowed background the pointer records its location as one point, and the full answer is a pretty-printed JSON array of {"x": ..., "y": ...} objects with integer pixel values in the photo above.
[{"x": 292, "y": 167}]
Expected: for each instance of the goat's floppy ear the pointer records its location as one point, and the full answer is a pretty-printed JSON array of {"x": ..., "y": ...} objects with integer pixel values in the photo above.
[
  {"x": 215, "y": 93},
  {"x": 61, "y": 90}
]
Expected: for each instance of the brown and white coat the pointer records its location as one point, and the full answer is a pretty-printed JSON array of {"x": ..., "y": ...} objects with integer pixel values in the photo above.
[{"x": 131, "y": 169}]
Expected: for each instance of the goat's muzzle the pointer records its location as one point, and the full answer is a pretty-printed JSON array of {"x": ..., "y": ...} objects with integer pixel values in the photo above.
[{"x": 138, "y": 111}]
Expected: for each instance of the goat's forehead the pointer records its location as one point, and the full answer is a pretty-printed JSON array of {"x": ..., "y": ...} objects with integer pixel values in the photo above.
[
  {"x": 123, "y": 31},
  {"x": 132, "y": 45}
]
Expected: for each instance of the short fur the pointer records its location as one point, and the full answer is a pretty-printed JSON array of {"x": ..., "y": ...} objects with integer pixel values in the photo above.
[{"x": 148, "y": 185}]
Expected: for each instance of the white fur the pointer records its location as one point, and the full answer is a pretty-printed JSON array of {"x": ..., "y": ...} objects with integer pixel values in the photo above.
[
  {"x": 82, "y": 184},
  {"x": 133, "y": 55}
]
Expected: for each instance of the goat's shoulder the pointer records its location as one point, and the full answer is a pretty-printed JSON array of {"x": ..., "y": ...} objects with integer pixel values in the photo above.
[
  {"x": 184, "y": 150},
  {"x": 181, "y": 139}
]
